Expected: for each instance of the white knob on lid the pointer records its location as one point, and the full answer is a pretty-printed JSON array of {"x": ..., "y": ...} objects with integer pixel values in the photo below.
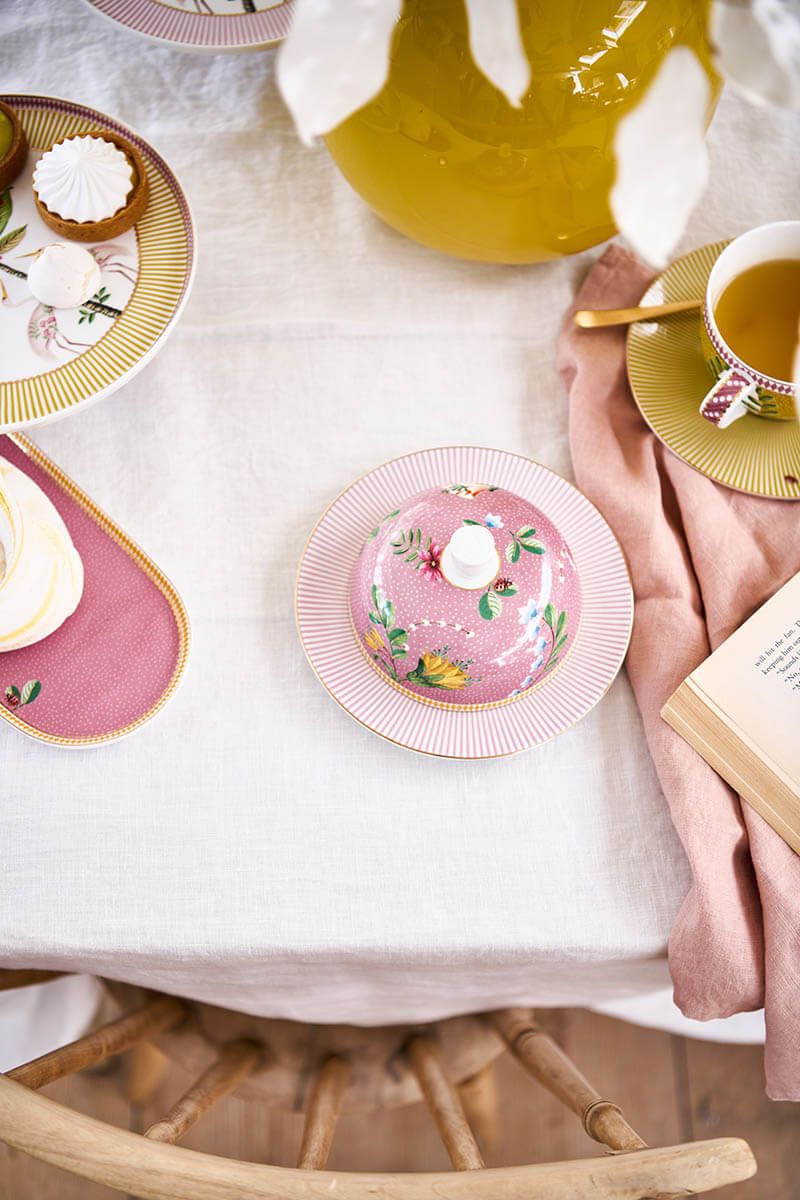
[{"x": 470, "y": 558}]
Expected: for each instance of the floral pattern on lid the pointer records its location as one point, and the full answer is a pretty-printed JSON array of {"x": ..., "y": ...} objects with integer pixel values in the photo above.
[{"x": 470, "y": 633}]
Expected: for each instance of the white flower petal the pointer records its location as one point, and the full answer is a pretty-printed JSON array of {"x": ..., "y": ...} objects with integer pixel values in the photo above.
[
  {"x": 497, "y": 47},
  {"x": 662, "y": 162},
  {"x": 757, "y": 48},
  {"x": 334, "y": 60}
]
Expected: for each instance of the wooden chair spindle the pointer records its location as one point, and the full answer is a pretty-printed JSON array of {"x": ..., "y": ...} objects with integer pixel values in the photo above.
[
  {"x": 323, "y": 1112},
  {"x": 542, "y": 1058},
  {"x": 161, "y": 1013},
  {"x": 235, "y": 1062},
  {"x": 444, "y": 1103}
]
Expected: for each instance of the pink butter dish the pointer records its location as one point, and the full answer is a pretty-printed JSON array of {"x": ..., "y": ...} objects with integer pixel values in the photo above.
[
  {"x": 114, "y": 663},
  {"x": 467, "y": 595}
]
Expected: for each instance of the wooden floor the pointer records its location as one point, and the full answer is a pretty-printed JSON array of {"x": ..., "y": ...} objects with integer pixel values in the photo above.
[{"x": 672, "y": 1090}]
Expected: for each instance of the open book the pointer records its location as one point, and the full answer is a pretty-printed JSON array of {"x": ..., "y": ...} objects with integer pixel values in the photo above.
[{"x": 741, "y": 711}]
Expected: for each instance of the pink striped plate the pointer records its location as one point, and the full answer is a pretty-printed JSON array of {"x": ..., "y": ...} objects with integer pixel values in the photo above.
[
  {"x": 211, "y": 25},
  {"x": 326, "y": 632}
]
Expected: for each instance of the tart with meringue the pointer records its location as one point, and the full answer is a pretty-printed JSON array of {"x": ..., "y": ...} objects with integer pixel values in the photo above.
[
  {"x": 91, "y": 186},
  {"x": 13, "y": 146}
]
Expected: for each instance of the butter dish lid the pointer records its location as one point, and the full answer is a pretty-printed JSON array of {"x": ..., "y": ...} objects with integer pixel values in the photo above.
[{"x": 465, "y": 596}]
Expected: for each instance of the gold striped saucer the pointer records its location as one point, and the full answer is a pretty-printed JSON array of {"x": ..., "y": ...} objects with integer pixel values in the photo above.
[
  {"x": 669, "y": 377},
  {"x": 55, "y": 360}
]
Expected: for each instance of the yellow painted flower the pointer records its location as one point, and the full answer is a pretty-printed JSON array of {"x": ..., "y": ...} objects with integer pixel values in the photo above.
[
  {"x": 373, "y": 639},
  {"x": 434, "y": 671}
]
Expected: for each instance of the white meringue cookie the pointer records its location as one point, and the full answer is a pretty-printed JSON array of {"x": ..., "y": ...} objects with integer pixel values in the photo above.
[
  {"x": 63, "y": 275},
  {"x": 42, "y": 582},
  {"x": 83, "y": 179}
]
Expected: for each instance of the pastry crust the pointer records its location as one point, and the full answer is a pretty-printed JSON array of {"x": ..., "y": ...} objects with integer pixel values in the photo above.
[
  {"x": 13, "y": 160},
  {"x": 124, "y": 218}
]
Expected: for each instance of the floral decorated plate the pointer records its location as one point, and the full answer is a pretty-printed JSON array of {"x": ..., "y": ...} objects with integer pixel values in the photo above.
[
  {"x": 464, "y": 602},
  {"x": 211, "y": 25},
  {"x": 669, "y": 377},
  {"x": 54, "y": 360}
]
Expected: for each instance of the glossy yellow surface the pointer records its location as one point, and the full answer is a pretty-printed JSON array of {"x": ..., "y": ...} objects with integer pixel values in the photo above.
[{"x": 442, "y": 156}]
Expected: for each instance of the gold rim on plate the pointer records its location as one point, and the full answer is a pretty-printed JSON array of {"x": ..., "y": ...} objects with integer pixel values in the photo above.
[
  {"x": 164, "y": 274},
  {"x": 669, "y": 377}
]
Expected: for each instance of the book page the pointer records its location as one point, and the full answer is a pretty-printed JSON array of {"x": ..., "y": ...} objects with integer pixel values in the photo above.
[{"x": 754, "y": 680}]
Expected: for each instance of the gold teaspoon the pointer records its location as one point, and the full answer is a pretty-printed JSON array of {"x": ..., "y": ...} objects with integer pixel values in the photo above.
[{"x": 595, "y": 318}]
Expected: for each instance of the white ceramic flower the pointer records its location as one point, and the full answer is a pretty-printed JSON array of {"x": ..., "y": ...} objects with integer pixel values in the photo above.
[
  {"x": 336, "y": 57},
  {"x": 662, "y": 161}
]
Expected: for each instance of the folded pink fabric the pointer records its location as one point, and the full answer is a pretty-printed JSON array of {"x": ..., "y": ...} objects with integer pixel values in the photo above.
[{"x": 702, "y": 558}]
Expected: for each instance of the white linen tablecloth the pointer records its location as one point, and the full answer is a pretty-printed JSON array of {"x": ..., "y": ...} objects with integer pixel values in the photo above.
[{"x": 253, "y": 847}]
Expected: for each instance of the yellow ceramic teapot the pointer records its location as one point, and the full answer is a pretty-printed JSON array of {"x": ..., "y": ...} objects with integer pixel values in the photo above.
[{"x": 443, "y": 157}]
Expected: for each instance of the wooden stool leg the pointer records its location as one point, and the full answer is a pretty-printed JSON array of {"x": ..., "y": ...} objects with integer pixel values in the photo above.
[
  {"x": 142, "y": 1071},
  {"x": 536, "y": 1051},
  {"x": 163, "y": 1012},
  {"x": 444, "y": 1103},
  {"x": 234, "y": 1063},
  {"x": 479, "y": 1097},
  {"x": 323, "y": 1113}
]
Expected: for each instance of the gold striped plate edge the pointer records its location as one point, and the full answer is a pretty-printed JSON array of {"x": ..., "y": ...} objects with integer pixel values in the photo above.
[
  {"x": 161, "y": 284},
  {"x": 753, "y": 456}
]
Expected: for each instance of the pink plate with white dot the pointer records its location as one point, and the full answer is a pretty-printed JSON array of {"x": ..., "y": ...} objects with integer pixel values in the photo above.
[{"x": 464, "y": 602}]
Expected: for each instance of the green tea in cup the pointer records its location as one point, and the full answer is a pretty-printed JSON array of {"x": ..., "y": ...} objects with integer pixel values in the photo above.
[
  {"x": 749, "y": 331},
  {"x": 758, "y": 315}
]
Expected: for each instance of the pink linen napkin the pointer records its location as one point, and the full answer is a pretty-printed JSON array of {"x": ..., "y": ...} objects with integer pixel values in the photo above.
[{"x": 702, "y": 558}]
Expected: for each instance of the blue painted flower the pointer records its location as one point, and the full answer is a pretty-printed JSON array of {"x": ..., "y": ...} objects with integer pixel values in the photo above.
[
  {"x": 540, "y": 644},
  {"x": 528, "y": 613},
  {"x": 493, "y": 522},
  {"x": 538, "y": 663},
  {"x": 527, "y": 681}
]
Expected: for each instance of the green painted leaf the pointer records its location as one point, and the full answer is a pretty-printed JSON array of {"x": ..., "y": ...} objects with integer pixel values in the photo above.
[
  {"x": 376, "y": 596},
  {"x": 562, "y": 620},
  {"x": 467, "y": 521},
  {"x": 505, "y": 592},
  {"x": 533, "y": 547},
  {"x": 397, "y": 635},
  {"x": 513, "y": 552},
  {"x": 490, "y": 605},
  {"x": 399, "y": 652},
  {"x": 375, "y": 619},
  {"x": 12, "y": 692},
  {"x": 419, "y": 536},
  {"x": 388, "y": 613},
  {"x": 561, "y": 641},
  {"x": 550, "y": 615},
  {"x": 526, "y": 533},
  {"x": 9, "y": 240},
  {"x": 412, "y": 557},
  {"x": 5, "y": 208},
  {"x": 30, "y": 691}
]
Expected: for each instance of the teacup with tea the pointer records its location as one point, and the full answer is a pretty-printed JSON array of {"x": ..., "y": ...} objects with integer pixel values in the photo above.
[{"x": 751, "y": 326}]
